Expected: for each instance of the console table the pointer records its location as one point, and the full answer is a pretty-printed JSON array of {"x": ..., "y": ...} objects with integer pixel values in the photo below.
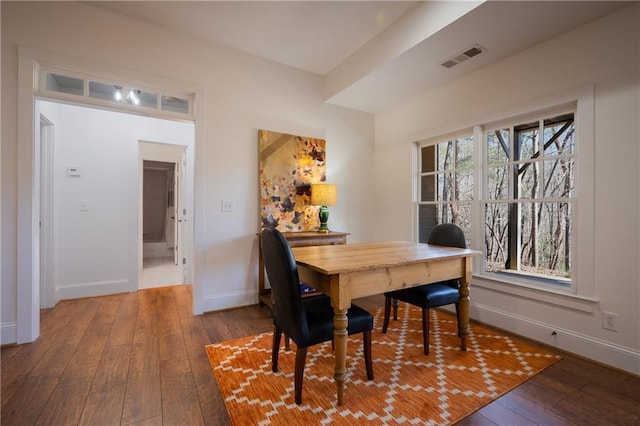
[{"x": 295, "y": 239}]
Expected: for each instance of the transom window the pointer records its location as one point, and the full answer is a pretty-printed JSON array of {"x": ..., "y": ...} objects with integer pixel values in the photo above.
[{"x": 120, "y": 95}]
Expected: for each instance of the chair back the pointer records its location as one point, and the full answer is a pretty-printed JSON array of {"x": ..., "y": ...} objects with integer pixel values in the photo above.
[
  {"x": 448, "y": 235},
  {"x": 288, "y": 310}
]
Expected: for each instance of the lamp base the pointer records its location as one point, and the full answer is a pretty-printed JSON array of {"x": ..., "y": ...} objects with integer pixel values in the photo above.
[{"x": 323, "y": 214}]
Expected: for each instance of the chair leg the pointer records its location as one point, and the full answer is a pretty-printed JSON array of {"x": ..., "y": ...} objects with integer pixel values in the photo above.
[
  {"x": 287, "y": 345},
  {"x": 396, "y": 303},
  {"x": 366, "y": 338},
  {"x": 458, "y": 321},
  {"x": 301, "y": 358},
  {"x": 275, "y": 348},
  {"x": 387, "y": 312},
  {"x": 425, "y": 330}
]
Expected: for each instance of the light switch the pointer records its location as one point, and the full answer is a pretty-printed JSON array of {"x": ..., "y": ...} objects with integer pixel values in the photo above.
[
  {"x": 227, "y": 206},
  {"x": 84, "y": 206}
]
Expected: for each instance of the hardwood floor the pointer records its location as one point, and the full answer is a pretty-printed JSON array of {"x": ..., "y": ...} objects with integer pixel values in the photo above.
[{"x": 139, "y": 358}]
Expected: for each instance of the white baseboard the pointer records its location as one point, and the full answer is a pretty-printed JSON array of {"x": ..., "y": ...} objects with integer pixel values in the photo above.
[
  {"x": 229, "y": 300},
  {"x": 96, "y": 288},
  {"x": 616, "y": 356},
  {"x": 8, "y": 333}
]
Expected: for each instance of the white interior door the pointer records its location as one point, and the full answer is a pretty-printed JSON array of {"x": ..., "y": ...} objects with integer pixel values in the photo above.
[{"x": 177, "y": 245}]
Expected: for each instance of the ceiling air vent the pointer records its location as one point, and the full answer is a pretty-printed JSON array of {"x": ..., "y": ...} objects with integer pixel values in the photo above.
[{"x": 462, "y": 56}]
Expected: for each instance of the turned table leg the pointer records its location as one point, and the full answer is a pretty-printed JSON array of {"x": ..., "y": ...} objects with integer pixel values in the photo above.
[
  {"x": 340, "y": 323},
  {"x": 463, "y": 304}
]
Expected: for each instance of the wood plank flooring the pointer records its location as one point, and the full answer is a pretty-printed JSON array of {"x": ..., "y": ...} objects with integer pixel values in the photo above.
[{"x": 139, "y": 358}]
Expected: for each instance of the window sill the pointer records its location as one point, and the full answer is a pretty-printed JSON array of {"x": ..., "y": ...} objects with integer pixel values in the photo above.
[
  {"x": 562, "y": 285},
  {"x": 512, "y": 285}
]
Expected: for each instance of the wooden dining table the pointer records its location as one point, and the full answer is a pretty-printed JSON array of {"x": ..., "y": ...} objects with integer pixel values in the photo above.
[{"x": 349, "y": 271}]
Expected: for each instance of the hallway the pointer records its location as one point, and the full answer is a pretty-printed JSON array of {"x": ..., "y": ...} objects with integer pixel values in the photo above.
[{"x": 160, "y": 272}]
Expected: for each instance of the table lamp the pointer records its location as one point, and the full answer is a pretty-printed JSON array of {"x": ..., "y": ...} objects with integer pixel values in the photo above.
[{"x": 323, "y": 195}]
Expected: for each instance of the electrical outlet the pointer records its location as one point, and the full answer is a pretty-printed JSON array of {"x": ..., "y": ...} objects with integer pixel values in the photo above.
[
  {"x": 610, "y": 321},
  {"x": 226, "y": 206}
]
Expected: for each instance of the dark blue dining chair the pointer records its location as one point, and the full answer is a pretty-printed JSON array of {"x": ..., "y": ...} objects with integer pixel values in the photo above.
[
  {"x": 306, "y": 320},
  {"x": 430, "y": 295}
]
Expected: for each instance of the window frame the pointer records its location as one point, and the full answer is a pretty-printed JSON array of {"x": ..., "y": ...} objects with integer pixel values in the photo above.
[
  {"x": 582, "y": 295},
  {"x": 453, "y": 170},
  {"x": 541, "y": 198}
]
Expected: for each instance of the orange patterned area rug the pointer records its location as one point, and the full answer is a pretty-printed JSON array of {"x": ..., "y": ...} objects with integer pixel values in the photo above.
[{"x": 409, "y": 388}]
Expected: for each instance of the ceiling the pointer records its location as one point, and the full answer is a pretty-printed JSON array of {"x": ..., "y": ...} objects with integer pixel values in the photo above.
[{"x": 371, "y": 54}]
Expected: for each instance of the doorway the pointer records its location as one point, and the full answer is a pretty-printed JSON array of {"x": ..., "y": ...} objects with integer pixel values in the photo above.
[
  {"x": 27, "y": 315},
  {"x": 90, "y": 246},
  {"x": 162, "y": 259}
]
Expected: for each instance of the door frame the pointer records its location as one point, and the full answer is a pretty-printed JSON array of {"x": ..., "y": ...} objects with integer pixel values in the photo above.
[
  {"x": 27, "y": 327},
  {"x": 48, "y": 297},
  {"x": 177, "y": 154}
]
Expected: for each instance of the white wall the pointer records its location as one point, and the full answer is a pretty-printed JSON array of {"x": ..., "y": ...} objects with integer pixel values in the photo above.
[
  {"x": 241, "y": 94},
  {"x": 604, "y": 55},
  {"x": 96, "y": 251}
]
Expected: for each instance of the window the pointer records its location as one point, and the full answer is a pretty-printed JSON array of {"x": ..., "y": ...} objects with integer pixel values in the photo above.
[
  {"x": 115, "y": 95},
  {"x": 528, "y": 200},
  {"x": 525, "y": 178},
  {"x": 64, "y": 84},
  {"x": 174, "y": 104},
  {"x": 446, "y": 185}
]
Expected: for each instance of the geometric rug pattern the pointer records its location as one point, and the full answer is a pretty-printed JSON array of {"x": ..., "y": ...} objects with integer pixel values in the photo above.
[{"x": 409, "y": 388}]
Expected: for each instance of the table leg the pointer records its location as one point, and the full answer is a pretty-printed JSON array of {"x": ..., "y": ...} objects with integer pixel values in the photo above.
[
  {"x": 340, "y": 323},
  {"x": 463, "y": 305}
]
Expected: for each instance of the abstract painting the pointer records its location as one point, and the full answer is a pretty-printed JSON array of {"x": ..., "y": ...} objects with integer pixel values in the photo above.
[{"x": 289, "y": 164}]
